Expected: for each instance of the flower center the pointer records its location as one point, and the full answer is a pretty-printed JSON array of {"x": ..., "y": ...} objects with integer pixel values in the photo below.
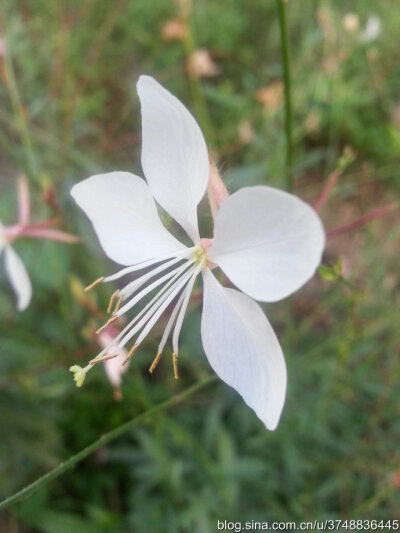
[{"x": 199, "y": 255}]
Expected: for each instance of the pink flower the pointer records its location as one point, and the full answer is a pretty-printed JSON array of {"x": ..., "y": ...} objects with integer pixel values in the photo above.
[
  {"x": 15, "y": 269},
  {"x": 114, "y": 367}
]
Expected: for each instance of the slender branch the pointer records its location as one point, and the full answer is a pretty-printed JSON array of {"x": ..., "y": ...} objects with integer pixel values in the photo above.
[
  {"x": 200, "y": 104},
  {"x": 281, "y": 5},
  {"x": 361, "y": 221},
  {"x": 343, "y": 162},
  {"x": 10, "y": 82},
  {"x": 104, "y": 439},
  {"x": 329, "y": 185}
]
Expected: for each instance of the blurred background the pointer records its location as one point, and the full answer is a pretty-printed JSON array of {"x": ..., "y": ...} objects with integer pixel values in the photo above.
[{"x": 68, "y": 109}]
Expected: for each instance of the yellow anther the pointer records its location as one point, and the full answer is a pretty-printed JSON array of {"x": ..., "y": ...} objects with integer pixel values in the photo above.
[
  {"x": 155, "y": 362},
  {"x": 118, "y": 304},
  {"x": 94, "y": 284},
  {"x": 103, "y": 358},
  {"x": 130, "y": 353},
  {"x": 112, "y": 299},
  {"x": 110, "y": 321},
  {"x": 175, "y": 365}
]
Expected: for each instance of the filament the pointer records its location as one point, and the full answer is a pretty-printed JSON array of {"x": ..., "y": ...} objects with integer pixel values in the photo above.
[
  {"x": 144, "y": 264},
  {"x": 151, "y": 287}
]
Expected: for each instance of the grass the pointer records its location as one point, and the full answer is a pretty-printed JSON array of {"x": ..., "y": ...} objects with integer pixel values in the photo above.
[{"x": 73, "y": 111}]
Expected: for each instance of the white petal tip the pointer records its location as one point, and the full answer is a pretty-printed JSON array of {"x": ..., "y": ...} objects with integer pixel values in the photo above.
[
  {"x": 243, "y": 349},
  {"x": 22, "y": 306}
]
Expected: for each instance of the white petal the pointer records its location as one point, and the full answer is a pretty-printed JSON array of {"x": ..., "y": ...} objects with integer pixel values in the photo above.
[
  {"x": 243, "y": 350},
  {"x": 18, "y": 278},
  {"x": 174, "y": 154},
  {"x": 268, "y": 242},
  {"x": 124, "y": 215}
]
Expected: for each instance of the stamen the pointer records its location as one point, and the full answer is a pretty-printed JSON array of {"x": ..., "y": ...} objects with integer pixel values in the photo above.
[
  {"x": 168, "y": 286},
  {"x": 137, "y": 283},
  {"x": 181, "y": 315},
  {"x": 181, "y": 254},
  {"x": 160, "y": 307},
  {"x": 153, "y": 314},
  {"x": 155, "y": 362},
  {"x": 170, "y": 322},
  {"x": 112, "y": 299},
  {"x": 102, "y": 358},
  {"x": 110, "y": 321},
  {"x": 151, "y": 287},
  {"x": 94, "y": 284},
  {"x": 131, "y": 352},
  {"x": 175, "y": 365},
  {"x": 179, "y": 279}
]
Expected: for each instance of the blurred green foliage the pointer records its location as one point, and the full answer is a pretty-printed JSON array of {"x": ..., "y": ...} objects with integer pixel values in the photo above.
[{"x": 335, "y": 453}]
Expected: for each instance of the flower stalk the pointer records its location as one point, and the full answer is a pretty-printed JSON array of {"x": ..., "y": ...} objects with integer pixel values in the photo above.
[
  {"x": 281, "y": 5},
  {"x": 11, "y": 85},
  {"x": 361, "y": 221},
  {"x": 64, "y": 466}
]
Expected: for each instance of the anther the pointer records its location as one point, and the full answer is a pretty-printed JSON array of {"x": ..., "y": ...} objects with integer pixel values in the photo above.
[
  {"x": 130, "y": 353},
  {"x": 112, "y": 300},
  {"x": 110, "y": 321},
  {"x": 118, "y": 304},
  {"x": 94, "y": 284},
  {"x": 175, "y": 365},
  {"x": 155, "y": 362},
  {"x": 103, "y": 358}
]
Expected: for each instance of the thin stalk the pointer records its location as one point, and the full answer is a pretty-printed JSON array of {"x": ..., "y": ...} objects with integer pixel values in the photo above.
[
  {"x": 19, "y": 111},
  {"x": 361, "y": 221},
  {"x": 101, "y": 441},
  {"x": 281, "y": 5},
  {"x": 200, "y": 104}
]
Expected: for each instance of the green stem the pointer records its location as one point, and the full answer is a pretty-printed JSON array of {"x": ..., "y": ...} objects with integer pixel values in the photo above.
[
  {"x": 18, "y": 108},
  {"x": 281, "y": 4},
  {"x": 104, "y": 439},
  {"x": 196, "y": 90}
]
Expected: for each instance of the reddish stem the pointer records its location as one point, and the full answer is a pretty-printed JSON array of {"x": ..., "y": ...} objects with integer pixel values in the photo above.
[
  {"x": 51, "y": 222},
  {"x": 361, "y": 221},
  {"x": 49, "y": 234},
  {"x": 329, "y": 185}
]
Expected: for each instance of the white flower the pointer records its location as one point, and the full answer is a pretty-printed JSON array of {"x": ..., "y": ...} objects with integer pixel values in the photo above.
[
  {"x": 16, "y": 272},
  {"x": 266, "y": 241},
  {"x": 373, "y": 29}
]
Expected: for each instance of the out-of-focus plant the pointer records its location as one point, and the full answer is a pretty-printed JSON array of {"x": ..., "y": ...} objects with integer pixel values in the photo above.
[{"x": 15, "y": 269}]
